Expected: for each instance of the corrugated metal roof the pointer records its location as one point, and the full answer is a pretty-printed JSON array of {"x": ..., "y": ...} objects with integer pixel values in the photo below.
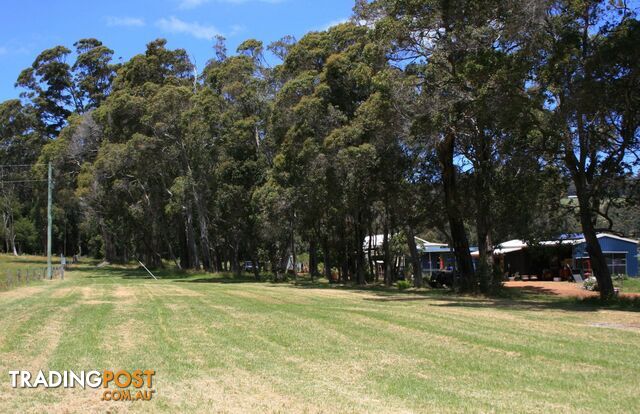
[
  {"x": 571, "y": 239},
  {"x": 421, "y": 244}
]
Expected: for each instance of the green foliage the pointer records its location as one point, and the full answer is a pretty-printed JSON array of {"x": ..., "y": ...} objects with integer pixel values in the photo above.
[
  {"x": 26, "y": 234},
  {"x": 403, "y": 284},
  {"x": 420, "y": 118}
]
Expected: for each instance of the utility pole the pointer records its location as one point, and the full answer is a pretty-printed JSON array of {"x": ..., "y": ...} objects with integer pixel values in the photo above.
[{"x": 49, "y": 221}]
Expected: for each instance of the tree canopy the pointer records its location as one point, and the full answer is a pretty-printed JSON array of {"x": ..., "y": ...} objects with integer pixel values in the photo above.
[{"x": 465, "y": 122}]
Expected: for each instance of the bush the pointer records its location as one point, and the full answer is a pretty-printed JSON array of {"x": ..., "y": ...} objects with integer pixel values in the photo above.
[
  {"x": 591, "y": 283},
  {"x": 619, "y": 277},
  {"x": 403, "y": 284},
  {"x": 26, "y": 234}
]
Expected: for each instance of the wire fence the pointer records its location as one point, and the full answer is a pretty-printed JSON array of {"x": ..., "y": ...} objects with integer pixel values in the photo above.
[{"x": 14, "y": 278}]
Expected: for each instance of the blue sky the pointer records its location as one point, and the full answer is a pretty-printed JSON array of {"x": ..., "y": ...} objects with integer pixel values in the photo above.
[{"x": 29, "y": 26}]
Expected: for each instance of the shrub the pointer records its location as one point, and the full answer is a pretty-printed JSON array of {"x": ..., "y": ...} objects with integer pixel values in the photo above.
[
  {"x": 403, "y": 284},
  {"x": 619, "y": 277},
  {"x": 591, "y": 283}
]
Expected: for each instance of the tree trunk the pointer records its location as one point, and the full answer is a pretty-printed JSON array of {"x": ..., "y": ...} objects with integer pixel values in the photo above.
[
  {"x": 109, "y": 249},
  {"x": 485, "y": 250},
  {"x": 360, "y": 265},
  {"x": 193, "y": 261},
  {"x": 313, "y": 259},
  {"x": 237, "y": 268},
  {"x": 587, "y": 221},
  {"x": 204, "y": 240},
  {"x": 327, "y": 263},
  {"x": 256, "y": 268},
  {"x": 273, "y": 258},
  {"x": 598, "y": 262},
  {"x": 294, "y": 257},
  {"x": 372, "y": 269},
  {"x": 415, "y": 257},
  {"x": 387, "y": 254},
  {"x": 485, "y": 269},
  {"x": 456, "y": 221},
  {"x": 13, "y": 244}
]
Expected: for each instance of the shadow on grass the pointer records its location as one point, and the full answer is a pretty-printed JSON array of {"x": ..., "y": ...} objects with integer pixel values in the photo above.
[
  {"x": 223, "y": 279},
  {"x": 544, "y": 302},
  {"x": 526, "y": 298},
  {"x": 124, "y": 272},
  {"x": 39, "y": 262}
]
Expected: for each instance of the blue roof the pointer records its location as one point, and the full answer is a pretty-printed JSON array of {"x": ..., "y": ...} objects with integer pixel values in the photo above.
[{"x": 570, "y": 236}]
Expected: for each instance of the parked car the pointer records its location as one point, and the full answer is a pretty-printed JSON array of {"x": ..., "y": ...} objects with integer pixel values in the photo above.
[
  {"x": 248, "y": 266},
  {"x": 443, "y": 278}
]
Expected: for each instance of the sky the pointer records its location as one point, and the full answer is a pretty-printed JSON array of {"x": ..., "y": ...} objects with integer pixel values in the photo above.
[{"x": 28, "y": 27}]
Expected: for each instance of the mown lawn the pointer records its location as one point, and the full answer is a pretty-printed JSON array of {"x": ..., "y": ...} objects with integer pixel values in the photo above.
[{"x": 223, "y": 345}]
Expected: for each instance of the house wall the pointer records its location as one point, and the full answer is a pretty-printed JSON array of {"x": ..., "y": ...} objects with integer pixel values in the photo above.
[
  {"x": 610, "y": 244},
  {"x": 516, "y": 262},
  {"x": 449, "y": 260}
]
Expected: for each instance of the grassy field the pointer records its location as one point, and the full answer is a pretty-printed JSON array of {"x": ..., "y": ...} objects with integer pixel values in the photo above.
[
  {"x": 630, "y": 285},
  {"x": 227, "y": 345},
  {"x": 11, "y": 265},
  {"x": 8, "y": 262}
]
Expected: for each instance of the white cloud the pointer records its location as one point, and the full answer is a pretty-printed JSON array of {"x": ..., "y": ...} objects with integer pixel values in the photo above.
[
  {"x": 334, "y": 23},
  {"x": 191, "y": 4},
  {"x": 195, "y": 29},
  {"x": 14, "y": 48},
  {"x": 236, "y": 29},
  {"x": 125, "y": 21}
]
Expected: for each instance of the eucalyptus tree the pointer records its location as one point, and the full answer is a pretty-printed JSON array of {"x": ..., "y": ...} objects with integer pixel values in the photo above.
[
  {"x": 93, "y": 71},
  {"x": 48, "y": 83},
  {"x": 241, "y": 84},
  {"x": 127, "y": 187},
  {"x": 20, "y": 145},
  {"x": 463, "y": 54},
  {"x": 57, "y": 89},
  {"x": 589, "y": 73},
  {"x": 337, "y": 134}
]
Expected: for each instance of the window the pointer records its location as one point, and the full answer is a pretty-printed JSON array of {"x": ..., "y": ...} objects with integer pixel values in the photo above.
[{"x": 617, "y": 263}]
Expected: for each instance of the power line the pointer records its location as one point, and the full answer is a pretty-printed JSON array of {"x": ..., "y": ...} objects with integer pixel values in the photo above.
[
  {"x": 22, "y": 181},
  {"x": 19, "y": 165}
]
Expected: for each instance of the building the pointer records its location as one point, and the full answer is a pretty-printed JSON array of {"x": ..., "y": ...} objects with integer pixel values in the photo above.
[
  {"x": 620, "y": 253},
  {"x": 433, "y": 256},
  {"x": 566, "y": 255}
]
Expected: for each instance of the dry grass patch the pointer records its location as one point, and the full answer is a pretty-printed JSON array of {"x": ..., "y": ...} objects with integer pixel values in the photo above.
[
  {"x": 22, "y": 292},
  {"x": 64, "y": 292}
]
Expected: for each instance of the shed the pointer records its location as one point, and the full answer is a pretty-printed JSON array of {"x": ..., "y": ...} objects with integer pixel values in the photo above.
[
  {"x": 620, "y": 253},
  {"x": 547, "y": 258}
]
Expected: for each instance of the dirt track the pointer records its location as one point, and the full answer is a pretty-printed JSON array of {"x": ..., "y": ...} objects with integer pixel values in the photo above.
[{"x": 557, "y": 288}]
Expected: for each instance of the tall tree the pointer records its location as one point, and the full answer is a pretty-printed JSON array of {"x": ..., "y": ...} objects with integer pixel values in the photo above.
[
  {"x": 462, "y": 48},
  {"x": 590, "y": 74},
  {"x": 93, "y": 71}
]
